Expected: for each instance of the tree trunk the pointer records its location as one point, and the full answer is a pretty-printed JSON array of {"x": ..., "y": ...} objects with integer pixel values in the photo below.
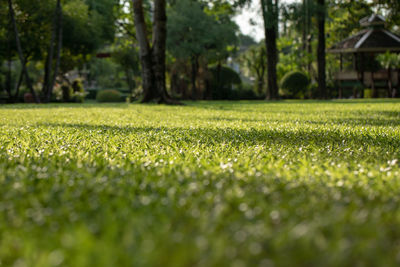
[
  {"x": 8, "y": 82},
  {"x": 50, "y": 55},
  {"x": 261, "y": 73},
  {"x": 129, "y": 80},
  {"x": 159, "y": 48},
  {"x": 18, "y": 85},
  {"x": 270, "y": 27},
  {"x": 307, "y": 33},
  {"x": 59, "y": 29},
  {"x": 20, "y": 54},
  {"x": 152, "y": 59},
  {"x": 144, "y": 51},
  {"x": 321, "y": 50},
  {"x": 304, "y": 27}
]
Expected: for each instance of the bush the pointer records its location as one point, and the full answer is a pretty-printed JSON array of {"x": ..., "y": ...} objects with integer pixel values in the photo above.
[
  {"x": 294, "y": 84},
  {"x": 109, "y": 96},
  {"x": 79, "y": 93},
  {"x": 223, "y": 79},
  {"x": 3, "y": 97},
  {"x": 247, "y": 92},
  {"x": 66, "y": 92},
  {"x": 28, "y": 98},
  {"x": 367, "y": 93}
]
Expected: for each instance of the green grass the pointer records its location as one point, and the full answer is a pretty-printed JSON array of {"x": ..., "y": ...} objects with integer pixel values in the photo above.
[{"x": 206, "y": 184}]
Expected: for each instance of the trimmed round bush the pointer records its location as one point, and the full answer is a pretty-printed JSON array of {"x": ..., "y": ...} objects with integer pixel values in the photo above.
[
  {"x": 223, "y": 79},
  {"x": 110, "y": 95},
  {"x": 294, "y": 84}
]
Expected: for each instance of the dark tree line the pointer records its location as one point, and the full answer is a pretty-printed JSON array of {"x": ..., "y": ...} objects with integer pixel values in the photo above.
[{"x": 149, "y": 33}]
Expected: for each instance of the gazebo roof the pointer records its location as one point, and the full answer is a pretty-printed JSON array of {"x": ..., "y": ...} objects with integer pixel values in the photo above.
[{"x": 373, "y": 39}]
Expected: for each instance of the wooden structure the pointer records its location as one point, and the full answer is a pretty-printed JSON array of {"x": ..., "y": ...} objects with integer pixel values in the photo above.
[{"x": 362, "y": 48}]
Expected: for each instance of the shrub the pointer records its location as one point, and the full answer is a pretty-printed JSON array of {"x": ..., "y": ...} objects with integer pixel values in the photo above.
[
  {"x": 57, "y": 95},
  {"x": 3, "y": 97},
  {"x": 79, "y": 93},
  {"x": 28, "y": 98},
  {"x": 294, "y": 84},
  {"x": 77, "y": 86},
  {"x": 247, "y": 92},
  {"x": 223, "y": 79},
  {"x": 109, "y": 96},
  {"x": 313, "y": 91},
  {"x": 66, "y": 92},
  {"x": 367, "y": 93}
]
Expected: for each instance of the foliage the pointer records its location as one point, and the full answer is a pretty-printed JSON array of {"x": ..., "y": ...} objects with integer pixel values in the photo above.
[
  {"x": 79, "y": 93},
  {"x": 88, "y": 25},
  {"x": 289, "y": 59},
  {"x": 294, "y": 84},
  {"x": 106, "y": 73},
  {"x": 66, "y": 92},
  {"x": 217, "y": 183},
  {"x": 391, "y": 8},
  {"x": 223, "y": 81},
  {"x": 107, "y": 96},
  {"x": 199, "y": 33},
  {"x": 344, "y": 18},
  {"x": 389, "y": 60},
  {"x": 247, "y": 92},
  {"x": 254, "y": 64},
  {"x": 127, "y": 57},
  {"x": 189, "y": 30}
]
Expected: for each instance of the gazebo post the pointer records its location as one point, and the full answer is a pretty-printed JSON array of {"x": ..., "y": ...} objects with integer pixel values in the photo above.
[
  {"x": 360, "y": 75},
  {"x": 374, "y": 90},
  {"x": 390, "y": 86}
]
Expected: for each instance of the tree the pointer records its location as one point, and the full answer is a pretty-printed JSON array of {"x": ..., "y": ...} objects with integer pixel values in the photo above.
[
  {"x": 189, "y": 35},
  {"x": 389, "y": 61},
  {"x": 392, "y": 10},
  {"x": 321, "y": 57},
  {"x": 87, "y": 27},
  {"x": 199, "y": 34},
  {"x": 269, "y": 11},
  {"x": 20, "y": 52},
  {"x": 50, "y": 79},
  {"x": 152, "y": 57},
  {"x": 127, "y": 57},
  {"x": 253, "y": 60}
]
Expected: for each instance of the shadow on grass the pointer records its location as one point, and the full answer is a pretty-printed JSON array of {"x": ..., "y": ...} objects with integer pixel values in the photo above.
[
  {"x": 64, "y": 105},
  {"x": 238, "y": 137},
  {"x": 220, "y": 104},
  {"x": 384, "y": 118}
]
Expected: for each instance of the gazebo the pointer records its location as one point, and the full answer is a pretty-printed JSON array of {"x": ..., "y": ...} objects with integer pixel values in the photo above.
[{"x": 361, "y": 50}]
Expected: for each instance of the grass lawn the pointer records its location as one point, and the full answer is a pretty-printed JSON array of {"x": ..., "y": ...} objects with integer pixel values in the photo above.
[{"x": 206, "y": 184}]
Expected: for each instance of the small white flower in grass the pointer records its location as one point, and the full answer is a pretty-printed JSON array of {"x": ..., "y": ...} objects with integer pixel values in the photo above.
[{"x": 226, "y": 166}]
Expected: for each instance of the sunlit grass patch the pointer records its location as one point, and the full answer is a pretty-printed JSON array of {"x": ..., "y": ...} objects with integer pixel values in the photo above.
[{"x": 210, "y": 183}]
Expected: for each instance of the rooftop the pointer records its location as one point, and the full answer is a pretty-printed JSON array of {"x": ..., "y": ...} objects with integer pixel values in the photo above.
[{"x": 373, "y": 39}]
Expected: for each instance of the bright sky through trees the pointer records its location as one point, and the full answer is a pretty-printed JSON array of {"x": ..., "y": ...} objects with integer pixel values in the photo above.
[{"x": 250, "y": 20}]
